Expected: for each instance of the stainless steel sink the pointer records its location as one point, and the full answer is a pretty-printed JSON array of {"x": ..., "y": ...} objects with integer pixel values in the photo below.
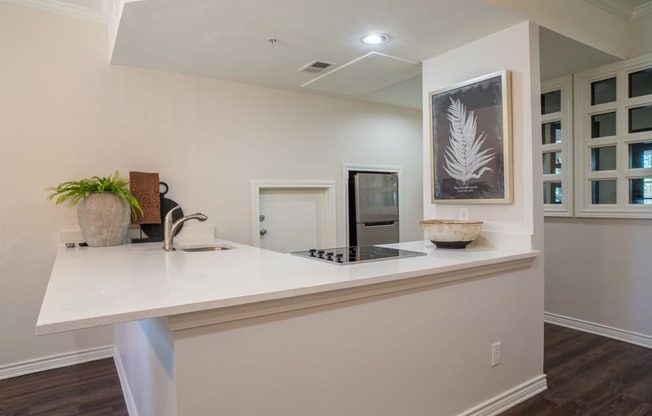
[{"x": 212, "y": 247}]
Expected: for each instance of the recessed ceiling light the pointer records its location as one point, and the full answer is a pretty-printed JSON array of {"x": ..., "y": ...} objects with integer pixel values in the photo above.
[{"x": 375, "y": 39}]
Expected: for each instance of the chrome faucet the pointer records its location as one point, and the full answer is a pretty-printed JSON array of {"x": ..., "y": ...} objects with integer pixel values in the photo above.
[{"x": 170, "y": 226}]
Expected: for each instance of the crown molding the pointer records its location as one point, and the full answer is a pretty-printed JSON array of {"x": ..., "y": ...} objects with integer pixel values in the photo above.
[
  {"x": 624, "y": 11},
  {"x": 614, "y": 7},
  {"x": 643, "y": 10},
  {"x": 92, "y": 14}
]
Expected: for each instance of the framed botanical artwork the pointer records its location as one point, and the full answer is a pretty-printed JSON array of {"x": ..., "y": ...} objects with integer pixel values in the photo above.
[{"x": 470, "y": 141}]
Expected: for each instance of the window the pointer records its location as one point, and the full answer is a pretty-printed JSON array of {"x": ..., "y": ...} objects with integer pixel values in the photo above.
[
  {"x": 613, "y": 140},
  {"x": 557, "y": 146}
]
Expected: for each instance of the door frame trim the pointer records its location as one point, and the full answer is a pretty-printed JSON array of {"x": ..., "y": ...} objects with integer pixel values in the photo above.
[
  {"x": 329, "y": 192},
  {"x": 346, "y": 168}
]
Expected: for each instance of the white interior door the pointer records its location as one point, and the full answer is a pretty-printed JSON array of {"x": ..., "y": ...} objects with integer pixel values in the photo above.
[{"x": 294, "y": 219}]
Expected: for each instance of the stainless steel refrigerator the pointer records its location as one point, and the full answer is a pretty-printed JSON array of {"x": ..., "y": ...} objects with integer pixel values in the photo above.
[{"x": 373, "y": 208}]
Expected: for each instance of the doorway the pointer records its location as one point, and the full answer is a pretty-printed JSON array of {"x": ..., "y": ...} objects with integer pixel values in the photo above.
[{"x": 293, "y": 215}]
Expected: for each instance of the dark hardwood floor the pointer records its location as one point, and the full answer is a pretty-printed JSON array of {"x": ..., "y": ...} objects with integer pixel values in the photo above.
[
  {"x": 587, "y": 375},
  {"x": 591, "y": 375},
  {"x": 84, "y": 389}
]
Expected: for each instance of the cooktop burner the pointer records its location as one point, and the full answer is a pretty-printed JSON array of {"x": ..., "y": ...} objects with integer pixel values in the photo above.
[{"x": 358, "y": 254}]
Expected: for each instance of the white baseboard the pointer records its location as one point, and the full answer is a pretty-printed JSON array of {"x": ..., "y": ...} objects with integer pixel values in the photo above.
[
  {"x": 54, "y": 361},
  {"x": 510, "y": 398},
  {"x": 126, "y": 390},
  {"x": 599, "y": 329}
]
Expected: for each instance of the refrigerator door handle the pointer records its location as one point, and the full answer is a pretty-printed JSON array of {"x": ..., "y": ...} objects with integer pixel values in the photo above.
[
  {"x": 356, "y": 184},
  {"x": 379, "y": 223}
]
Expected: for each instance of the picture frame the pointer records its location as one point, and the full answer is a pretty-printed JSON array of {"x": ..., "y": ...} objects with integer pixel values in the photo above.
[{"x": 471, "y": 141}]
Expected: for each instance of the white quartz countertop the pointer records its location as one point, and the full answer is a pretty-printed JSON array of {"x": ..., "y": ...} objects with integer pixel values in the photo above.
[{"x": 94, "y": 286}]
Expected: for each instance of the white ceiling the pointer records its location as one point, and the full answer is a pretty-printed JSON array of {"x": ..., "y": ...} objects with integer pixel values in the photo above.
[{"x": 229, "y": 39}]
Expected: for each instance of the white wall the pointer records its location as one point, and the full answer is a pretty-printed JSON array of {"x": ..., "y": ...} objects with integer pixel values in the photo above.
[
  {"x": 144, "y": 357},
  {"x": 417, "y": 353},
  {"x": 523, "y": 218},
  {"x": 67, "y": 114},
  {"x": 485, "y": 56}
]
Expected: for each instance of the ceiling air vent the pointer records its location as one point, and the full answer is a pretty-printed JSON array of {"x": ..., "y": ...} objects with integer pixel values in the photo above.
[{"x": 316, "y": 66}]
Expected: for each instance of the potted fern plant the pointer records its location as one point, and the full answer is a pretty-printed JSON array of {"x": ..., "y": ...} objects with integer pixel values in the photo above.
[{"x": 105, "y": 205}]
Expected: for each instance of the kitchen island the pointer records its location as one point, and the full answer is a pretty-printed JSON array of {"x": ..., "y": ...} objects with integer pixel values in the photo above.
[{"x": 248, "y": 331}]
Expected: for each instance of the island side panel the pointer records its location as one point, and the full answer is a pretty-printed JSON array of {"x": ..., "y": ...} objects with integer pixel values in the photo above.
[
  {"x": 144, "y": 354},
  {"x": 424, "y": 352}
]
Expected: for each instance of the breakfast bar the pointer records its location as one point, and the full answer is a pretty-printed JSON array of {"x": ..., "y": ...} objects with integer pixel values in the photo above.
[{"x": 247, "y": 331}]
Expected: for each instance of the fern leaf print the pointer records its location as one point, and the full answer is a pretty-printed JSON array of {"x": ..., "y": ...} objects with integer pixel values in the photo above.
[{"x": 463, "y": 156}]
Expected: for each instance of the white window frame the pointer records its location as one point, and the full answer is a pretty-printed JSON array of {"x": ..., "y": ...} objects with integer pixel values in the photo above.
[
  {"x": 583, "y": 142},
  {"x": 565, "y": 85}
]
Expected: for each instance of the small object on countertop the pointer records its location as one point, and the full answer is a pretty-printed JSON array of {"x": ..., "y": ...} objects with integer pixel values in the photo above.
[
  {"x": 146, "y": 189},
  {"x": 451, "y": 233},
  {"x": 147, "y": 240},
  {"x": 83, "y": 244},
  {"x": 70, "y": 245},
  {"x": 156, "y": 230}
]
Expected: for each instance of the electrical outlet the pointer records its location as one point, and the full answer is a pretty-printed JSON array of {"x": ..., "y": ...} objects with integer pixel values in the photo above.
[
  {"x": 464, "y": 214},
  {"x": 496, "y": 353}
]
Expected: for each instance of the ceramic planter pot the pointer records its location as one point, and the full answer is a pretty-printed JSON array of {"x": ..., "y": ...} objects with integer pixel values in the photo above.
[{"x": 104, "y": 219}]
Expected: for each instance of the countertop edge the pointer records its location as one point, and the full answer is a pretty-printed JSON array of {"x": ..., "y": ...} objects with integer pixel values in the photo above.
[
  {"x": 185, "y": 316},
  {"x": 335, "y": 295}
]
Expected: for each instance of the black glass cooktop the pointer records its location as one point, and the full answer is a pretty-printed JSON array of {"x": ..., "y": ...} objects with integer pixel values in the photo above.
[{"x": 358, "y": 254}]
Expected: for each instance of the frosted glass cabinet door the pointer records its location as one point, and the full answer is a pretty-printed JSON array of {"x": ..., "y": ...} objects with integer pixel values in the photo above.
[
  {"x": 640, "y": 191},
  {"x": 603, "y": 158},
  {"x": 603, "y": 125},
  {"x": 551, "y": 102},
  {"x": 552, "y": 193},
  {"x": 640, "y": 155},
  {"x": 551, "y": 132},
  {"x": 640, "y": 119},
  {"x": 603, "y": 192},
  {"x": 557, "y": 146},
  {"x": 603, "y": 91},
  {"x": 551, "y": 163},
  {"x": 613, "y": 140},
  {"x": 640, "y": 83}
]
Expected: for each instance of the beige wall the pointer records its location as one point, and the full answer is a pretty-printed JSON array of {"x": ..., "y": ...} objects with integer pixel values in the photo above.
[
  {"x": 599, "y": 270},
  {"x": 640, "y": 40},
  {"x": 578, "y": 20},
  {"x": 587, "y": 23},
  {"x": 67, "y": 114}
]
